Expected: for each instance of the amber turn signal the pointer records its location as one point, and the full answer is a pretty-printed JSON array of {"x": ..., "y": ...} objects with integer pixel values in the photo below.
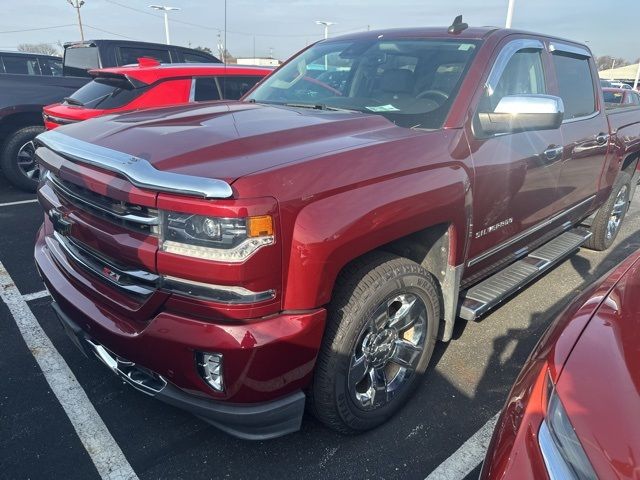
[{"x": 261, "y": 226}]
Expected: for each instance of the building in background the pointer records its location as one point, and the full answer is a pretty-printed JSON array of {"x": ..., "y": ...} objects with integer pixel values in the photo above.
[{"x": 627, "y": 73}]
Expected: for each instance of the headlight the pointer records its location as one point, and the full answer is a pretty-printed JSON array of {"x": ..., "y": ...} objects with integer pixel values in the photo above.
[
  {"x": 215, "y": 238},
  {"x": 563, "y": 454}
]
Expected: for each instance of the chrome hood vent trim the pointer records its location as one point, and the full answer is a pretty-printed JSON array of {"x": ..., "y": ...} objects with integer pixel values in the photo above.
[{"x": 137, "y": 170}]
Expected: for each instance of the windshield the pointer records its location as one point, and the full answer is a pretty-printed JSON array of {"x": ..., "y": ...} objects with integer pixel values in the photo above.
[{"x": 412, "y": 82}]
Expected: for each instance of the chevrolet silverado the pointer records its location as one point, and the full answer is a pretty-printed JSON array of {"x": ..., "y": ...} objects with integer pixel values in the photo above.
[{"x": 309, "y": 244}]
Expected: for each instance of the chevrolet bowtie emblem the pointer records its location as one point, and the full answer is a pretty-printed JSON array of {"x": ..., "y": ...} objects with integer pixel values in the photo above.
[{"x": 61, "y": 224}]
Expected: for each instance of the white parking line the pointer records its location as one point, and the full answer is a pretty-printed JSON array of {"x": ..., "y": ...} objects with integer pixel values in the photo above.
[
  {"x": 94, "y": 435},
  {"x": 21, "y": 202},
  {"x": 27, "y": 297},
  {"x": 467, "y": 457}
]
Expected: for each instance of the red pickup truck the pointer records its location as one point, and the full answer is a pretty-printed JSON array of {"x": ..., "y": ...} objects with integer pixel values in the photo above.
[{"x": 310, "y": 243}]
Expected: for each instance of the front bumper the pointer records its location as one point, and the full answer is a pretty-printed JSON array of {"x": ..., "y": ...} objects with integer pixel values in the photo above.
[
  {"x": 268, "y": 362},
  {"x": 252, "y": 422}
]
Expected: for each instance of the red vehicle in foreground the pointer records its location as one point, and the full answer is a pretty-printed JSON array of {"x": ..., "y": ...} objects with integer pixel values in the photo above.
[
  {"x": 313, "y": 241},
  {"x": 151, "y": 84},
  {"x": 573, "y": 411}
]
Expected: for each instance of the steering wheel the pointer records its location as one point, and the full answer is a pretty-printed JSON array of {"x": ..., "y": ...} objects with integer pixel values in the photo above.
[
  {"x": 437, "y": 96},
  {"x": 323, "y": 85}
]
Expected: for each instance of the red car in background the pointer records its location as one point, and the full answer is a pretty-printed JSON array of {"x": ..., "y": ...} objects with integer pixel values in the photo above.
[
  {"x": 573, "y": 412},
  {"x": 622, "y": 97},
  {"x": 151, "y": 84}
]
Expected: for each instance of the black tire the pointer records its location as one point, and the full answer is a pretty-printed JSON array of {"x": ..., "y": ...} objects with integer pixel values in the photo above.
[
  {"x": 9, "y": 157},
  {"x": 603, "y": 233},
  {"x": 360, "y": 290}
]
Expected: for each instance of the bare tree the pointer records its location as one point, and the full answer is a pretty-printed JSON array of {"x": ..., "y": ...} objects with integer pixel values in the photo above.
[
  {"x": 606, "y": 62},
  {"x": 204, "y": 49},
  {"x": 43, "y": 48}
]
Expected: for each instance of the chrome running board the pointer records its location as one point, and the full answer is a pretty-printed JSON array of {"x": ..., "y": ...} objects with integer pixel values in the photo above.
[{"x": 482, "y": 297}]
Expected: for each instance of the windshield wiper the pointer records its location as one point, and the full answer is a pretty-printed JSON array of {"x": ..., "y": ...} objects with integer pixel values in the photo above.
[
  {"x": 73, "y": 101},
  {"x": 318, "y": 106}
]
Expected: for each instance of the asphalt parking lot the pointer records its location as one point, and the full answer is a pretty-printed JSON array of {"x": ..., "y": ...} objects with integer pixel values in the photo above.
[{"x": 462, "y": 391}]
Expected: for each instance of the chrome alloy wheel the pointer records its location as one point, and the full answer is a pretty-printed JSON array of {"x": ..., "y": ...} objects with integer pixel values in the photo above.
[
  {"x": 388, "y": 351},
  {"x": 26, "y": 159},
  {"x": 618, "y": 211}
]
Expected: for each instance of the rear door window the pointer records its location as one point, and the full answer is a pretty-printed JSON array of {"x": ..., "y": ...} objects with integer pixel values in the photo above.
[
  {"x": 575, "y": 84},
  {"x": 234, "y": 87},
  {"x": 130, "y": 55},
  {"x": 21, "y": 64},
  {"x": 204, "y": 89},
  {"x": 51, "y": 66},
  {"x": 105, "y": 93}
]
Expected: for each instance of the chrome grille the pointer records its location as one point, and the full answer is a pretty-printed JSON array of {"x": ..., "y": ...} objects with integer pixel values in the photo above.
[
  {"x": 128, "y": 215},
  {"x": 138, "y": 283}
]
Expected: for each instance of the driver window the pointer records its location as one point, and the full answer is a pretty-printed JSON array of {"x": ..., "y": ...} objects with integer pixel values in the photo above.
[{"x": 522, "y": 75}]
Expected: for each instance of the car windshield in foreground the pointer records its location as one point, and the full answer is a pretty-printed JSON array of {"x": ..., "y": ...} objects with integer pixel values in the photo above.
[{"x": 412, "y": 82}]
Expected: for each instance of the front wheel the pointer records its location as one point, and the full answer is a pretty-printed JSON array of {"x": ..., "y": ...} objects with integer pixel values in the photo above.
[
  {"x": 18, "y": 160},
  {"x": 380, "y": 336}
]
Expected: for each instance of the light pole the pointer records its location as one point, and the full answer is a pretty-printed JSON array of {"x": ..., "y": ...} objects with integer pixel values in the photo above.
[
  {"x": 326, "y": 26},
  {"x": 77, "y": 4},
  {"x": 166, "y": 11},
  {"x": 326, "y": 35},
  {"x": 635, "y": 83},
  {"x": 509, "y": 14}
]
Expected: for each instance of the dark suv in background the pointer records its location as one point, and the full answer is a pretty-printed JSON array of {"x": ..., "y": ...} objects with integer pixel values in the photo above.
[
  {"x": 23, "y": 63},
  {"x": 80, "y": 57}
]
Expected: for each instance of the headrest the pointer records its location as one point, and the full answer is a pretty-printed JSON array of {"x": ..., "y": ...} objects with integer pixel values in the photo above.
[{"x": 399, "y": 80}]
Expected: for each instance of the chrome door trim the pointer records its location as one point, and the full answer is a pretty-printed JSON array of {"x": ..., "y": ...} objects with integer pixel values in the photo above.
[
  {"x": 137, "y": 170},
  {"x": 505, "y": 55},
  {"x": 510, "y": 241},
  {"x": 192, "y": 90},
  {"x": 585, "y": 117}
]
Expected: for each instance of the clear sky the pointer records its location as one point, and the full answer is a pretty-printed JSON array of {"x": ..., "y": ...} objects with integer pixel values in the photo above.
[{"x": 610, "y": 28}]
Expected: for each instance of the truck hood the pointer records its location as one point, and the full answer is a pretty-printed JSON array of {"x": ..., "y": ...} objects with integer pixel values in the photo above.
[{"x": 227, "y": 140}]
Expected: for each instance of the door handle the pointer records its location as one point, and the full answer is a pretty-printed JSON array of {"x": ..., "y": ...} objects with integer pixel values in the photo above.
[
  {"x": 602, "y": 138},
  {"x": 553, "y": 152}
]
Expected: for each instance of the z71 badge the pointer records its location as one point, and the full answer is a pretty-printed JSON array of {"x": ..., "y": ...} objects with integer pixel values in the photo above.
[{"x": 493, "y": 228}]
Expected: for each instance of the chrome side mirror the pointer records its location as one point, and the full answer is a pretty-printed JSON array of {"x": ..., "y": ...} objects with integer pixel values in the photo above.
[{"x": 520, "y": 113}]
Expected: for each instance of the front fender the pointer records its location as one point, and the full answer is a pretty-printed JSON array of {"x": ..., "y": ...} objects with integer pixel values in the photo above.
[{"x": 334, "y": 230}]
